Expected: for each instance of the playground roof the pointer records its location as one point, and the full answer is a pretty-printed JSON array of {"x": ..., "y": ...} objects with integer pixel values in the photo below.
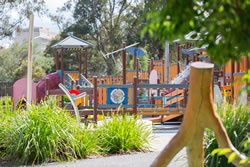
[
  {"x": 72, "y": 42},
  {"x": 139, "y": 52}
]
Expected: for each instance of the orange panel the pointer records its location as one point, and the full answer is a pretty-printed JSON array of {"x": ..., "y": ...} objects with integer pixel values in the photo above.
[
  {"x": 104, "y": 94},
  {"x": 130, "y": 97}
]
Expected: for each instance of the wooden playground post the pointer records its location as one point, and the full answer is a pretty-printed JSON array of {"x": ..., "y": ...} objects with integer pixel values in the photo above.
[
  {"x": 95, "y": 99},
  {"x": 86, "y": 62},
  {"x": 124, "y": 62},
  {"x": 238, "y": 67},
  {"x": 62, "y": 70},
  {"x": 57, "y": 60},
  {"x": 137, "y": 69},
  {"x": 232, "y": 79},
  {"x": 62, "y": 73},
  {"x": 135, "y": 60},
  {"x": 200, "y": 114},
  {"x": 163, "y": 71},
  {"x": 152, "y": 64},
  {"x": 135, "y": 95},
  {"x": 80, "y": 63}
]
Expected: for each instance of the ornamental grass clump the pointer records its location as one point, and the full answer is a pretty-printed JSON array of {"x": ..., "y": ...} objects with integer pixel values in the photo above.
[
  {"x": 236, "y": 122},
  {"x": 123, "y": 133},
  {"x": 43, "y": 133}
]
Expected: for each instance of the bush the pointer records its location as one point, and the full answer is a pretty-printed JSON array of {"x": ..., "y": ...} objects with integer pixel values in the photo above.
[
  {"x": 43, "y": 133},
  {"x": 235, "y": 120},
  {"x": 124, "y": 134}
]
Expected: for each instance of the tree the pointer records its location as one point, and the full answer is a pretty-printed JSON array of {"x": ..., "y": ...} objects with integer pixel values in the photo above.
[
  {"x": 222, "y": 25},
  {"x": 104, "y": 23},
  {"x": 37, "y": 71},
  {"x": 15, "y": 58},
  {"x": 13, "y": 13}
]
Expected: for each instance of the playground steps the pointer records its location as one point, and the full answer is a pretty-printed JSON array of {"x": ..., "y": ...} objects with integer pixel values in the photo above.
[{"x": 165, "y": 118}]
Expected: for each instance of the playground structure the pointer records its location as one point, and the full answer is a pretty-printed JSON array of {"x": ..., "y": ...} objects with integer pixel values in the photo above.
[
  {"x": 133, "y": 91},
  {"x": 200, "y": 114}
]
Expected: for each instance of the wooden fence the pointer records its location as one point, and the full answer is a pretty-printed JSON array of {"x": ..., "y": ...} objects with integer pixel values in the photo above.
[
  {"x": 6, "y": 88},
  {"x": 141, "y": 99}
]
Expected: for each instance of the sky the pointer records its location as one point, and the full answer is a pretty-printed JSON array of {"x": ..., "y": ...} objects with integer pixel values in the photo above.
[
  {"x": 45, "y": 21},
  {"x": 42, "y": 21}
]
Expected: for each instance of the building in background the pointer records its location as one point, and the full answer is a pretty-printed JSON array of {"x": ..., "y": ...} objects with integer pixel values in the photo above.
[{"x": 41, "y": 36}]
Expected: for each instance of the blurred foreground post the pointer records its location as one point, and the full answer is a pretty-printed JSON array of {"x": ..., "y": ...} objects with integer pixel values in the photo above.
[
  {"x": 200, "y": 114},
  {"x": 29, "y": 67}
]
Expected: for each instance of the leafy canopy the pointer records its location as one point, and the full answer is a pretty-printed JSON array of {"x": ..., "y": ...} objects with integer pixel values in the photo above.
[
  {"x": 14, "y": 12},
  {"x": 222, "y": 25}
]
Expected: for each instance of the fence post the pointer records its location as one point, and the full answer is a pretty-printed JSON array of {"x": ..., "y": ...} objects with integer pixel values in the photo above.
[
  {"x": 137, "y": 69},
  {"x": 163, "y": 70},
  {"x": 135, "y": 96},
  {"x": 247, "y": 67},
  {"x": 232, "y": 79},
  {"x": 95, "y": 99},
  {"x": 152, "y": 65}
]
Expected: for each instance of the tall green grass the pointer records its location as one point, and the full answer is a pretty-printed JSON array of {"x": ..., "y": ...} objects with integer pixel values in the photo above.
[
  {"x": 124, "y": 134},
  {"x": 46, "y": 133},
  {"x": 43, "y": 133},
  {"x": 236, "y": 122}
]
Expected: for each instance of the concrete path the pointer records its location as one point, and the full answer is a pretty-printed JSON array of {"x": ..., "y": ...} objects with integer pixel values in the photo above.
[{"x": 133, "y": 160}]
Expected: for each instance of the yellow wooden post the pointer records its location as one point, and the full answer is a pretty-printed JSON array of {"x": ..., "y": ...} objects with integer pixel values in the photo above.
[{"x": 200, "y": 114}]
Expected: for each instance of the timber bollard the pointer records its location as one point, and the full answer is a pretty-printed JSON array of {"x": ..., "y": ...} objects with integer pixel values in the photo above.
[{"x": 200, "y": 114}]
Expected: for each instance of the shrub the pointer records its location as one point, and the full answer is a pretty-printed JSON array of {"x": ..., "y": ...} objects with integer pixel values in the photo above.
[
  {"x": 43, "y": 133},
  {"x": 235, "y": 120},
  {"x": 124, "y": 134}
]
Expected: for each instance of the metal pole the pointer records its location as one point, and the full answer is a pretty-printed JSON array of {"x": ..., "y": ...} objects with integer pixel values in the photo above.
[
  {"x": 80, "y": 63},
  {"x": 62, "y": 70}
]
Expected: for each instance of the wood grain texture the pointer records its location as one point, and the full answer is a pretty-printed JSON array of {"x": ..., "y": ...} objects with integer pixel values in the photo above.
[{"x": 200, "y": 114}]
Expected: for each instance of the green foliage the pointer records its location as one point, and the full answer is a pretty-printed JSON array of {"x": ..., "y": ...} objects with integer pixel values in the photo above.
[
  {"x": 21, "y": 9},
  {"x": 236, "y": 122},
  {"x": 124, "y": 134},
  {"x": 223, "y": 25},
  {"x": 143, "y": 63},
  {"x": 45, "y": 63},
  {"x": 13, "y": 63},
  {"x": 106, "y": 24},
  {"x": 43, "y": 133},
  {"x": 37, "y": 71}
]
